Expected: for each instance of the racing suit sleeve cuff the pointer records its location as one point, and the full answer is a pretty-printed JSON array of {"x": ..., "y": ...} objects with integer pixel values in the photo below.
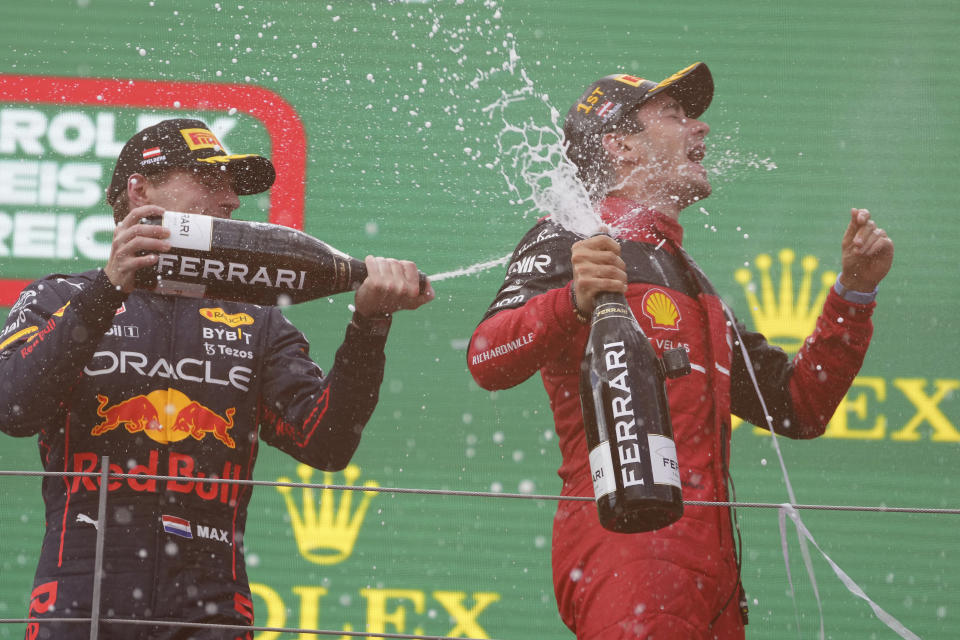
[
  {"x": 858, "y": 297},
  {"x": 370, "y": 330},
  {"x": 97, "y": 304}
]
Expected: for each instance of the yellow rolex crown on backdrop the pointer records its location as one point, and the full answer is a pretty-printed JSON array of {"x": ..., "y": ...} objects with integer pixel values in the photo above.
[
  {"x": 325, "y": 531},
  {"x": 787, "y": 315}
]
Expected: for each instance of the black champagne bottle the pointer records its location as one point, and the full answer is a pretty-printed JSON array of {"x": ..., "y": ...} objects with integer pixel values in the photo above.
[
  {"x": 244, "y": 261},
  {"x": 633, "y": 458}
]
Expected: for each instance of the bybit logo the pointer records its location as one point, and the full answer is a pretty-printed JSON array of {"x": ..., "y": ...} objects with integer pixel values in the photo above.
[
  {"x": 327, "y": 536},
  {"x": 785, "y": 319}
]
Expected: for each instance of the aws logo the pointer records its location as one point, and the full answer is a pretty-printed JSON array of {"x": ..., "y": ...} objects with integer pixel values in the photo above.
[{"x": 230, "y": 319}]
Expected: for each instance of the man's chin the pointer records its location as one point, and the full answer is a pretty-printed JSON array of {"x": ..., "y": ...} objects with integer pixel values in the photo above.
[{"x": 695, "y": 194}]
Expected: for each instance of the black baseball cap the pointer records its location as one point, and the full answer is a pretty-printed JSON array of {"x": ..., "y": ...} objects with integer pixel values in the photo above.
[
  {"x": 608, "y": 99},
  {"x": 188, "y": 144}
]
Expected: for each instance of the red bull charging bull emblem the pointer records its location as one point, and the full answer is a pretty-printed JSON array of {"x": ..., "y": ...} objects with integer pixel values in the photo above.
[{"x": 165, "y": 416}]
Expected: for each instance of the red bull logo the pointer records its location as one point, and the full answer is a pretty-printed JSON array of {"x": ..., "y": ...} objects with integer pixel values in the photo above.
[
  {"x": 136, "y": 414},
  {"x": 186, "y": 476},
  {"x": 42, "y": 600},
  {"x": 165, "y": 416},
  {"x": 198, "y": 421}
]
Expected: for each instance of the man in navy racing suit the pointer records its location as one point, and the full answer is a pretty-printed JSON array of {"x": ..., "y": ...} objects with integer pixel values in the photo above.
[{"x": 183, "y": 387}]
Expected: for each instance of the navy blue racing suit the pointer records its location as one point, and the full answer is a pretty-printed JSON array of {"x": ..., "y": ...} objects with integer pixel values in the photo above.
[{"x": 170, "y": 386}]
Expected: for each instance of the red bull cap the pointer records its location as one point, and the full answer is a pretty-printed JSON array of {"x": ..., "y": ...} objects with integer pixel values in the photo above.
[{"x": 188, "y": 144}]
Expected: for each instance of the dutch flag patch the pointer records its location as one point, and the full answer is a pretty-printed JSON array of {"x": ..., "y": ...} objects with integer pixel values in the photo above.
[{"x": 177, "y": 526}]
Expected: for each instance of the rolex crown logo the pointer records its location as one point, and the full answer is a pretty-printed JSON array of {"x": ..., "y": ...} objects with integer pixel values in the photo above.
[
  {"x": 327, "y": 535},
  {"x": 784, "y": 318}
]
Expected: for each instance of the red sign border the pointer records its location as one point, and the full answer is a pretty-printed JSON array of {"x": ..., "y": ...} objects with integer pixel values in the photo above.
[{"x": 281, "y": 121}]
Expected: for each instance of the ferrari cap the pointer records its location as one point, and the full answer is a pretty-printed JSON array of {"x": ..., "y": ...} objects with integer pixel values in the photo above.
[{"x": 608, "y": 99}]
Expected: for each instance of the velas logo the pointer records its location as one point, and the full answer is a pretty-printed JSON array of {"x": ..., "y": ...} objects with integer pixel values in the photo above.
[
  {"x": 230, "y": 319},
  {"x": 661, "y": 309},
  {"x": 328, "y": 536},
  {"x": 789, "y": 316},
  {"x": 59, "y": 139},
  {"x": 165, "y": 416},
  {"x": 200, "y": 139}
]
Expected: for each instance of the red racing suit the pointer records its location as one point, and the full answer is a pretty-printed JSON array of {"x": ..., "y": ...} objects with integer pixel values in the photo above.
[
  {"x": 681, "y": 581},
  {"x": 173, "y": 387}
]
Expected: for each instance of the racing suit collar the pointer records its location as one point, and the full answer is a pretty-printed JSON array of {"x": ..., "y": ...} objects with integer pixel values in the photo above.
[{"x": 637, "y": 222}]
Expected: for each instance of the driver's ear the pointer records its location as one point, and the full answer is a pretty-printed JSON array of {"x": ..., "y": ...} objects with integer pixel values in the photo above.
[{"x": 137, "y": 190}]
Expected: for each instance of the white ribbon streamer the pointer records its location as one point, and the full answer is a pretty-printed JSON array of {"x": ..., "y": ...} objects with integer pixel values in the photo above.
[
  {"x": 803, "y": 534},
  {"x": 852, "y": 587}
]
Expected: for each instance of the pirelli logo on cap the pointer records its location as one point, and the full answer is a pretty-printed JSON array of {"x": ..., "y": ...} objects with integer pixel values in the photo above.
[
  {"x": 200, "y": 139},
  {"x": 633, "y": 81}
]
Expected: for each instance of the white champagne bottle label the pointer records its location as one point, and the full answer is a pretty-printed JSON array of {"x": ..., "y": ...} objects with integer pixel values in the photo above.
[
  {"x": 601, "y": 470},
  {"x": 189, "y": 231},
  {"x": 663, "y": 459}
]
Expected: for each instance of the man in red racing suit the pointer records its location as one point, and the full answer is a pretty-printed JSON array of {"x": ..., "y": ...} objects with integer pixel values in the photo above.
[
  {"x": 681, "y": 582},
  {"x": 171, "y": 386}
]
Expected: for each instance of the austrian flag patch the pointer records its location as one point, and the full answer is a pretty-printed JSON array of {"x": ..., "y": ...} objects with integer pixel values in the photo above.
[{"x": 151, "y": 153}]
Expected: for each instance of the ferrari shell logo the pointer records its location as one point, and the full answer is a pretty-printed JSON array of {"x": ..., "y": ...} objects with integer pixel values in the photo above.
[{"x": 661, "y": 309}]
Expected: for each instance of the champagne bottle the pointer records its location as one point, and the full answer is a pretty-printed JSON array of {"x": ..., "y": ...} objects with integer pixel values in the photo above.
[
  {"x": 254, "y": 262},
  {"x": 633, "y": 459}
]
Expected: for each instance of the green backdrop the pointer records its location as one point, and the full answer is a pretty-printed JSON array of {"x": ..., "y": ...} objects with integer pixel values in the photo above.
[{"x": 379, "y": 113}]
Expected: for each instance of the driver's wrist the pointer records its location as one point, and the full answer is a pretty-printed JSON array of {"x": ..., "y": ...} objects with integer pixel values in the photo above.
[
  {"x": 853, "y": 295},
  {"x": 375, "y": 324}
]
